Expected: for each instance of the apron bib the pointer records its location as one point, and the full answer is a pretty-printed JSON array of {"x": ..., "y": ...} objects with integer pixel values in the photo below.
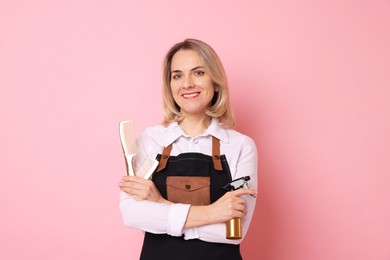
[{"x": 215, "y": 167}]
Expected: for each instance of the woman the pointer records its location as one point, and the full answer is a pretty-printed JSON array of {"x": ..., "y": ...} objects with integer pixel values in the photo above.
[{"x": 195, "y": 144}]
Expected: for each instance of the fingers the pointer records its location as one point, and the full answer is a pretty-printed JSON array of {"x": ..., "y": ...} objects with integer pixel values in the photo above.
[
  {"x": 133, "y": 191},
  {"x": 135, "y": 179},
  {"x": 240, "y": 207},
  {"x": 133, "y": 182},
  {"x": 131, "y": 185},
  {"x": 236, "y": 203},
  {"x": 241, "y": 192},
  {"x": 128, "y": 185},
  {"x": 139, "y": 188},
  {"x": 229, "y": 206}
]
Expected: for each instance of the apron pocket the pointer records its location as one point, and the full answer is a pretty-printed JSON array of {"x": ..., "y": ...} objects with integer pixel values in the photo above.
[{"x": 192, "y": 190}]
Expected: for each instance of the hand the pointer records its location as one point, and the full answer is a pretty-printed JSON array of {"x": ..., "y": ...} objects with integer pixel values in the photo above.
[
  {"x": 140, "y": 189},
  {"x": 229, "y": 206}
]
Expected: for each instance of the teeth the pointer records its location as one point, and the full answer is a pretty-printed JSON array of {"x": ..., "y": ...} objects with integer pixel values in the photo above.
[{"x": 190, "y": 95}]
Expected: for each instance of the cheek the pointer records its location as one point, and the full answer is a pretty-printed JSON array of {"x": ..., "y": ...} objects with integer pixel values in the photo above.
[
  {"x": 174, "y": 87},
  {"x": 175, "y": 93},
  {"x": 205, "y": 83}
]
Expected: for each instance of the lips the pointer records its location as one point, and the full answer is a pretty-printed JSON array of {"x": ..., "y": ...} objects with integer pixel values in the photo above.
[{"x": 190, "y": 95}]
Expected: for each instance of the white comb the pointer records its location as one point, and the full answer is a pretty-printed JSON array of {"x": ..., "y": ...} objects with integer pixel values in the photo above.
[
  {"x": 147, "y": 168},
  {"x": 126, "y": 132},
  {"x": 129, "y": 146}
]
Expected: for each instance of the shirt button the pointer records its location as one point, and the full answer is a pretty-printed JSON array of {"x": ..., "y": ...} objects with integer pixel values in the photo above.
[{"x": 196, "y": 141}]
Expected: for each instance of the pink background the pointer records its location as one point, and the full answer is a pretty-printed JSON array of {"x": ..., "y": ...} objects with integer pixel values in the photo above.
[{"x": 309, "y": 82}]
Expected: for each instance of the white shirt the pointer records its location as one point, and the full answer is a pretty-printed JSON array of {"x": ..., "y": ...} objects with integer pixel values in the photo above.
[{"x": 158, "y": 218}]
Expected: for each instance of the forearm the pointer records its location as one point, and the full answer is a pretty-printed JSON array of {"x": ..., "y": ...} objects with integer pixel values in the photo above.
[
  {"x": 199, "y": 226},
  {"x": 216, "y": 232},
  {"x": 198, "y": 216},
  {"x": 158, "y": 218}
]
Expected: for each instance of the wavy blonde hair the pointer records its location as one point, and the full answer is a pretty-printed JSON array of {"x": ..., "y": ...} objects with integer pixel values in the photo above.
[{"x": 220, "y": 105}]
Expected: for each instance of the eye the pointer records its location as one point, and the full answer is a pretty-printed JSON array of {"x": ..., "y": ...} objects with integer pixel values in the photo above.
[
  {"x": 176, "y": 76},
  {"x": 199, "y": 73}
]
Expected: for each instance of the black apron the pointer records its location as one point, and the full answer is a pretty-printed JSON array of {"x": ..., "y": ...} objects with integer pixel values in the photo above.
[{"x": 166, "y": 247}]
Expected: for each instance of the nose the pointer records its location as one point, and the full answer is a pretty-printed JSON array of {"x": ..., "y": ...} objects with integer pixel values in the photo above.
[{"x": 188, "y": 82}]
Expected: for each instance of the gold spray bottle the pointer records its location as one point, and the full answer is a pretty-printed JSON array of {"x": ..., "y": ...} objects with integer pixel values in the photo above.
[
  {"x": 233, "y": 226},
  {"x": 233, "y": 229}
]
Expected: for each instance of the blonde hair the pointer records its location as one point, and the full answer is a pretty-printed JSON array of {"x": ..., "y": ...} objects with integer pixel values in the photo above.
[{"x": 220, "y": 104}]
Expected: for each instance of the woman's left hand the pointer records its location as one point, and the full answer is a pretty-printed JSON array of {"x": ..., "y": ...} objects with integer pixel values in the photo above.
[{"x": 140, "y": 189}]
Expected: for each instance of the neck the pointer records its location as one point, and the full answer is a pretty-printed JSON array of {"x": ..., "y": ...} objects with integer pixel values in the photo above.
[{"x": 194, "y": 126}]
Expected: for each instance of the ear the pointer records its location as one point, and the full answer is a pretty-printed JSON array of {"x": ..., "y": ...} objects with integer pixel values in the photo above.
[{"x": 216, "y": 88}]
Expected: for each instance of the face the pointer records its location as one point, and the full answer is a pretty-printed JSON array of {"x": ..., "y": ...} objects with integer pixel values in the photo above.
[{"x": 191, "y": 84}]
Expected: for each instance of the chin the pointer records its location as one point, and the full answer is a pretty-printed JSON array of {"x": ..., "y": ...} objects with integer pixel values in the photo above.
[{"x": 193, "y": 111}]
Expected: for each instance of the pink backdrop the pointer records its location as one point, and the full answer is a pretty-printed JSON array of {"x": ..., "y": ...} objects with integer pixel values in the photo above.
[{"x": 309, "y": 81}]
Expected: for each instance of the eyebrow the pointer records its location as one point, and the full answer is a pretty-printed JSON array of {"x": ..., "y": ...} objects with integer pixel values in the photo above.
[{"x": 197, "y": 67}]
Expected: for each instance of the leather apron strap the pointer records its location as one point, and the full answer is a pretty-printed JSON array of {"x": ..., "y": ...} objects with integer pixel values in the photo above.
[
  {"x": 164, "y": 158},
  {"x": 216, "y": 155}
]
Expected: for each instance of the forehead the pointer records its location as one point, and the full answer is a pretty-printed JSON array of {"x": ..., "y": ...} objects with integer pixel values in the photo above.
[{"x": 186, "y": 60}]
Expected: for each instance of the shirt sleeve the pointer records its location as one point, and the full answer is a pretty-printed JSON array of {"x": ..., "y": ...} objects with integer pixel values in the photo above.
[
  {"x": 246, "y": 165},
  {"x": 146, "y": 215},
  {"x": 153, "y": 217}
]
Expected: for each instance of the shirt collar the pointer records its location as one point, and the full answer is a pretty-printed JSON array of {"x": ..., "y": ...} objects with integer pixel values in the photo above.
[
  {"x": 217, "y": 131},
  {"x": 174, "y": 131}
]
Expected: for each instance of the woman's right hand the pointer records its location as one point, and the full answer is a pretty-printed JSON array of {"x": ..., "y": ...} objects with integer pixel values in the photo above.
[
  {"x": 140, "y": 189},
  {"x": 230, "y": 205}
]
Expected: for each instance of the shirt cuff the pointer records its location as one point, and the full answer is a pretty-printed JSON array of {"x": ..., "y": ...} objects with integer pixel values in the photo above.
[
  {"x": 177, "y": 218},
  {"x": 191, "y": 233}
]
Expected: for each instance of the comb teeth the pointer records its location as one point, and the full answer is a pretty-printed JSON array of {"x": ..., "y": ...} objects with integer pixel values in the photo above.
[
  {"x": 129, "y": 146},
  {"x": 127, "y": 136},
  {"x": 147, "y": 168}
]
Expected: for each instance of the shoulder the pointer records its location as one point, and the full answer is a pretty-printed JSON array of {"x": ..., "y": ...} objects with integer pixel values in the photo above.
[
  {"x": 153, "y": 131},
  {"x": 151, "y": 139},
  {"x": 241, "y": 153},
  {"x": 154, "y": 134},
  {"x": 238, "y": 145},
  {"x": 237, "y": 138}
]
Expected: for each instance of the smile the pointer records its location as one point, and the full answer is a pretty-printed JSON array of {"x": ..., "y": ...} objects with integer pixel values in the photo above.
[{"x": 191, "y": 95}]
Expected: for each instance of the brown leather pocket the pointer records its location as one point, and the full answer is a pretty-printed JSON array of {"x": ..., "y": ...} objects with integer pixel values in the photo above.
[{"x": 192, "y": 190}]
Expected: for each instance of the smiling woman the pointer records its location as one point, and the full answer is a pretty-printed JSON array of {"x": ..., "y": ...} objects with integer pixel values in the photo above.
[
  {"x": 207, "y": 61},
  {"x": 183, "y": 208},
  {"x": 192, "y": 90}
]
